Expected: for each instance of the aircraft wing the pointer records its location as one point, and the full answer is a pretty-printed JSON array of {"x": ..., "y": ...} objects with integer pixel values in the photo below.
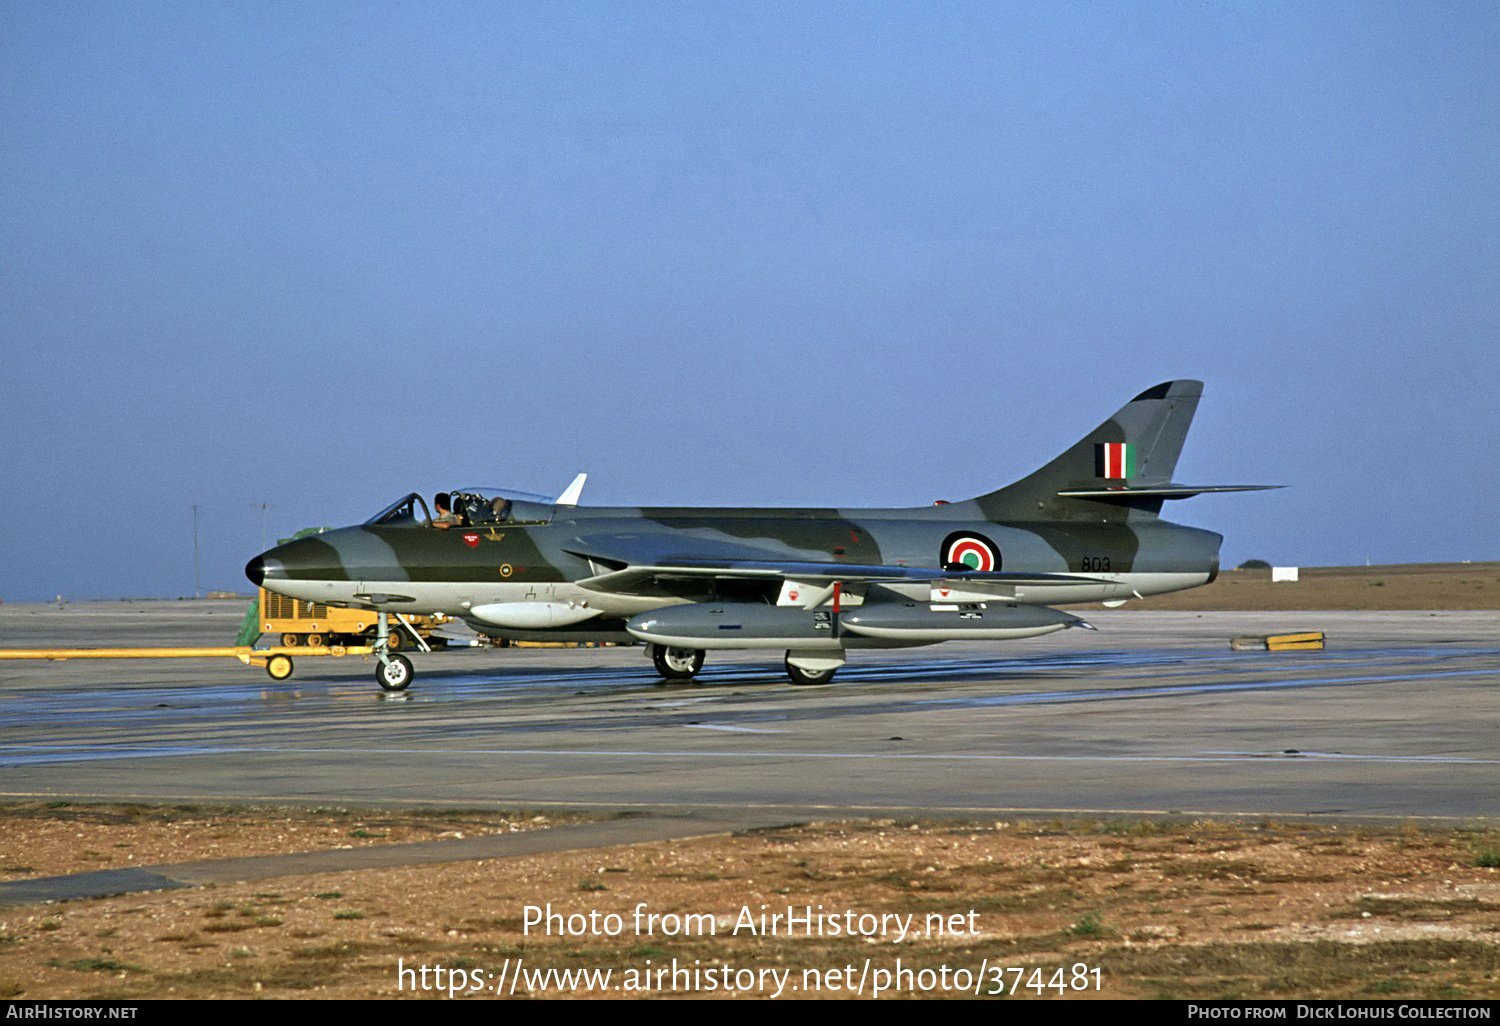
[{"x": 676, "y": 557}]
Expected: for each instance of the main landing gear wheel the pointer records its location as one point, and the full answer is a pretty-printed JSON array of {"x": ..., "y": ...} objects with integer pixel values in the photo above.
[
  {"x": 279, "y": 667},
  {"x": 394, "y": 673},
  {"x": 677, "y": 663},
  {"x": 809, "y": 677}
]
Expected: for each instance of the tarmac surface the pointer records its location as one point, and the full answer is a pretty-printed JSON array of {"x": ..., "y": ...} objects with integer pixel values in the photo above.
[
  {"x": 1399, "y": 718},
  {"x": 178, "y": 875}
]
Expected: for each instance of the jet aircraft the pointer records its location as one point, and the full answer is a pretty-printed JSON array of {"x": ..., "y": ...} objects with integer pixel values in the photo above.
[{"x": 815, "y": 583}]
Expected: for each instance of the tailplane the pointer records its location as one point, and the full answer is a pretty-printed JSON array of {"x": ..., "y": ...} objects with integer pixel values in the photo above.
[{"x": 1122, "y": 468}]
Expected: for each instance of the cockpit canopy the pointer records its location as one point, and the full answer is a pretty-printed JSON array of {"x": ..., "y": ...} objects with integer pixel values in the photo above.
[
  {"x": 473, "y": 506},
  {"x": 407, "y": 510}
]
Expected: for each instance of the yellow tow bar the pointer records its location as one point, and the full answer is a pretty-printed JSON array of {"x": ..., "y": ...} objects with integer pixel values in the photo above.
[{"x": 277, "y": 661}]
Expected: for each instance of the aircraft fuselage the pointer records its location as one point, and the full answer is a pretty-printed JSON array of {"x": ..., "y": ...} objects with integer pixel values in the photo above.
[{"x": 413, "y": 568}]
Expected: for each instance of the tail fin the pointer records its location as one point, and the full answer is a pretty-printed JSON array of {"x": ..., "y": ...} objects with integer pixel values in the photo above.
[{"x": 1126, "y": 463}]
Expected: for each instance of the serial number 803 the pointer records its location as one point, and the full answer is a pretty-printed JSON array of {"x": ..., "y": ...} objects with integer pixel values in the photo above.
[{"x": 1080, "y": 979}]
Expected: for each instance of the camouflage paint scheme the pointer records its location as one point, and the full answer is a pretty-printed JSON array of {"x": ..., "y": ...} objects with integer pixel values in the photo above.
[{"x": 1063, "y": 534}]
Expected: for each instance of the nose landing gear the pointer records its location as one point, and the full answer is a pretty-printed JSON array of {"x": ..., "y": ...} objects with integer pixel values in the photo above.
[{"x": 395, "y": 671}]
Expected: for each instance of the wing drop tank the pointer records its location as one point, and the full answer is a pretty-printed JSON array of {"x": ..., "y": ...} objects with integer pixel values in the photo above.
[
  {"x": 980, "y": 621},
  {"x": 708, "y": 625},
  {"x": 736, "y": 625}
]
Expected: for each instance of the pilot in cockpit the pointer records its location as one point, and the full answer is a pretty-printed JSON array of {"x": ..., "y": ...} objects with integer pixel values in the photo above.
[
  {"x": 500, "y": 507},
  {"x": 445, "y": 518}
]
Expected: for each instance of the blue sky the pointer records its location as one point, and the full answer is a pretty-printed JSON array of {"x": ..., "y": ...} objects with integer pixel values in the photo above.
[{"x": 319, "y": 255}]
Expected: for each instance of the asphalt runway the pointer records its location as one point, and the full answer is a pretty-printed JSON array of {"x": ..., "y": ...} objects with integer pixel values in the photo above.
[{"x": 1398, "y": 719}]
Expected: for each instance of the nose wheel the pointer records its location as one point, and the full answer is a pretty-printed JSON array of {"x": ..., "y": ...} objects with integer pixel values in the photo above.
[{"x": 394, "y": 673}]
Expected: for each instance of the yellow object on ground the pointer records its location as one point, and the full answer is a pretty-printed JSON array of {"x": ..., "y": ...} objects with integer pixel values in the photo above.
[{"x": 1300, "y": 641}]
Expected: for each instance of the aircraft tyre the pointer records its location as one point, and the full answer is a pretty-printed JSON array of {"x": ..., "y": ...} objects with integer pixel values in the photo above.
[
  {"x": 394, "y": 673},
  {"x": 653, "y": 652},
  {"x": 279, "y": 667},
  {"x": 677, "y": 663},
  {"x": 809, "y": 677}
]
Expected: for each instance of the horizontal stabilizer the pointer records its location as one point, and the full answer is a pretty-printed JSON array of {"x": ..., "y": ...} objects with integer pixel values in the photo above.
[{"x": 1171, "y": 490}]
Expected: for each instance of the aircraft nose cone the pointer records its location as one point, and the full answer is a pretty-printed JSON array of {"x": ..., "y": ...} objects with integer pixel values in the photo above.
[{"x": 260, "y": 569}]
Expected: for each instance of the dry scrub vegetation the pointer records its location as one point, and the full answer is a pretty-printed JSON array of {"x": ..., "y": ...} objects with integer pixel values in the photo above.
[{"x": 1178, "y": 910}]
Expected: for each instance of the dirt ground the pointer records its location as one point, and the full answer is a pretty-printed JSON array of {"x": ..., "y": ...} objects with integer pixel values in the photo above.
[
  {"x": 1404, "y": 586},
  {"x": 1175, "y": 910}
]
